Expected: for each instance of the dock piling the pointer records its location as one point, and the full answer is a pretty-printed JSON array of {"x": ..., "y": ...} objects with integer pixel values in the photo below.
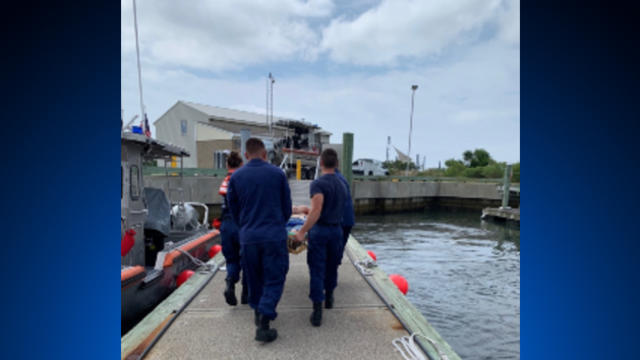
[
  {"x": 505, "y": 187},
  {"x": 347, "y": 158}
]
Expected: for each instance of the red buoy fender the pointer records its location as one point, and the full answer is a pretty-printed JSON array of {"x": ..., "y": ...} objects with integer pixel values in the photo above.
[
  {"x": 216, "y": 223},
  {"x": 214, "y": 250},
  {"x": 127, "y": 242},
  {"x": 400, "y": 282},
  {"x": 184, "y": 276},
  {"x": 372, "y": 254}
]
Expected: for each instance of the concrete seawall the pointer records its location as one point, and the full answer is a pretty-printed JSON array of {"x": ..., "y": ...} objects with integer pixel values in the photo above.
[
  {"x": 389, "y": 196},
  {"x": 369, "y": 196}
]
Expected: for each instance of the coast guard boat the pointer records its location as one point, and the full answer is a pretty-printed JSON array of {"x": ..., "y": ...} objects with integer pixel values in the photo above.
[{"x": 159, "y": 240}]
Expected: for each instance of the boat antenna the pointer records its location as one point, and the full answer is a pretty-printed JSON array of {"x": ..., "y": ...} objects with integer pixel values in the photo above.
[{"x": 143, "y": 115}]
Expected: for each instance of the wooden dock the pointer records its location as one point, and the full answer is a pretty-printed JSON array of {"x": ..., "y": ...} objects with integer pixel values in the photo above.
[{"x": 369, "y": 313}]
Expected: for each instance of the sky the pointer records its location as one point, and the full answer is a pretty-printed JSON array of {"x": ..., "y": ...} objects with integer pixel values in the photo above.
[{"x": 347, "y": 66}]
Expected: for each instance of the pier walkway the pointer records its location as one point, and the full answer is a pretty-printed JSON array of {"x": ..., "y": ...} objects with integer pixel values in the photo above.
[{"x": 360, "y": 326}]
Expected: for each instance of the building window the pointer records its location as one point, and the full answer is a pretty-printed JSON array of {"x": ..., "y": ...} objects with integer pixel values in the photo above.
[
  {"x": 183, "y": 127},
  {"x": 219, "y": 160},
  {"x": 134, "y": 178}
]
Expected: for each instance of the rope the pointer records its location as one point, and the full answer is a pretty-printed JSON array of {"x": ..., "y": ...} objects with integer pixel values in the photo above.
[
  {"x": 199, "y": 263},
  {"x": 409, "y": 350},
  {"x": 364, "y": 266}
]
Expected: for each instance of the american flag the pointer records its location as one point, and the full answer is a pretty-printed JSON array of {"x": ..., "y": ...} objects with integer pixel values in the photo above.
[{"x": 145, "y": 126}]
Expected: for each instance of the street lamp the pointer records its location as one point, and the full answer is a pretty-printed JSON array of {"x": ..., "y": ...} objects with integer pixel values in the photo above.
[
  {"x": 272, "y": 80},
  {"x": 413, "y": 93}
]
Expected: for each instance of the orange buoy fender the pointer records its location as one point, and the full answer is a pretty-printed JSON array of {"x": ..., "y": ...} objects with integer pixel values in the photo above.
[
  {"x": 400, "y": 282},
  {"x": 214, "y": 250},
  {"x": 184, "y": 276}
]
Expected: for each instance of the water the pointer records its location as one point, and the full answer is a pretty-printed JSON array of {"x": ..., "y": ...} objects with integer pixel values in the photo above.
[{"x": 463, "y": 274}]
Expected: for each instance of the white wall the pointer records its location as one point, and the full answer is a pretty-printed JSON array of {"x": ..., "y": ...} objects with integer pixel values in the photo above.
[{"x": 168, "y": 129}]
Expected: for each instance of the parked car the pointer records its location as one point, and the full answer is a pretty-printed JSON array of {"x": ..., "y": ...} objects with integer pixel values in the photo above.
[{"x": 369, "y": 167}]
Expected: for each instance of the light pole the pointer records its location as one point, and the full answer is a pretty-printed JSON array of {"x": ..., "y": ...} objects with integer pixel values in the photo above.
[{"x": 413, "y": 93}]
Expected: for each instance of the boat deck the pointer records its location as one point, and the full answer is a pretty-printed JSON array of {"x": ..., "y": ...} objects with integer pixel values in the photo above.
[{"x": 359, "y": 326}]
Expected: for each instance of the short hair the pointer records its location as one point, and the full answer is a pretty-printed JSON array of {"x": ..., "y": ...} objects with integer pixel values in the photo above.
[
  {"x": 254, "y": 146},
  {"x": 234, "y": 160},
  {"x": 329, "y": 158}
]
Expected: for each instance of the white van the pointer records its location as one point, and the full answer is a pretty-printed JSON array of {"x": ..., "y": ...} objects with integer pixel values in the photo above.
[{"x": 369, "y": 167}]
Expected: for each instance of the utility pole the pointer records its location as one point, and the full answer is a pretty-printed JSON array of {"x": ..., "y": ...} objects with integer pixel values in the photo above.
[
  {"x": 273, "y": 80},
  {"x": 413, "y": 93},
  {"x": 388, "y": 144}
]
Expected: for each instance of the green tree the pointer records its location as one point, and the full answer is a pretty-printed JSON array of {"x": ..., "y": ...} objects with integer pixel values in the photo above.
[
  {"x": 480, "y": 158},
  {"x": 467, "y": 157},
  {"x": 515, "y": 171},
  {"x": 454, "y": 167},
  {"x": 396, "y": 166}
]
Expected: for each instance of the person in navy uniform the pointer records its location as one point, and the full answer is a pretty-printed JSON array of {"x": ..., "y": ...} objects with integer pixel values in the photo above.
[
  {"x": 230, "y": 239},
  {"x": 260, "y": 203},
  {"x": 328, "y": 194},
  {"x": 348, "y": 216}
]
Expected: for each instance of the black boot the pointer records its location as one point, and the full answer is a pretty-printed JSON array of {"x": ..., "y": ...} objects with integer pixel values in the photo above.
[
  {"x": 244, "y": 298},
  {"x": 263, "y": 332},
  {"x": 328, "y": 300},
  {"x": 230, "y": 293},
  {"x": 256, "y": 317},
  {"x": 316, "y": 316}
]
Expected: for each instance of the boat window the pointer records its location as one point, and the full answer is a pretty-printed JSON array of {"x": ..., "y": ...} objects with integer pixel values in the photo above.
[{"x": 134, "y": 178}]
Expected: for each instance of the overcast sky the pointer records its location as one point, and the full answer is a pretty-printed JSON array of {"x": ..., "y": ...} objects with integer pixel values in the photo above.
[{"x": 344, "y": 65}]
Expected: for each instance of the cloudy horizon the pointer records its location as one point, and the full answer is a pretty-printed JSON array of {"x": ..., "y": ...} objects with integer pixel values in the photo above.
[{"x": 346, "y": 66}]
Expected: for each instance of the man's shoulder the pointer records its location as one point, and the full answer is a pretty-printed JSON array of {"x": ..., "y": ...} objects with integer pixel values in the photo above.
[{"x": 274, "y": 170}]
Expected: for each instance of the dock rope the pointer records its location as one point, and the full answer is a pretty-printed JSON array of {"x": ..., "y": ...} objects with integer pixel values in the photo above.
[
  {"x": 202, "y": 266},
  {"x": 409, "y": 350},
  {"x": 364, "y": 266}
]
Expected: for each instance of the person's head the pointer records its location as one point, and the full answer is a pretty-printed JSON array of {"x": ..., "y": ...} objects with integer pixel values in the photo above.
[
  {"x": 255, "y": 149},
  {"x": 328, "y": 160},
  {"x": 234, "y": 160}
]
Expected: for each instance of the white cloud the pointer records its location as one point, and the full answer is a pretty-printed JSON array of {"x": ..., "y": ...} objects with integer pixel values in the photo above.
[
  {"x": 465, "y": 101},
  {"x": 510, "y": 23},
  {"x": 225, "y": 34},
  {"x": 405, "y": 28}
]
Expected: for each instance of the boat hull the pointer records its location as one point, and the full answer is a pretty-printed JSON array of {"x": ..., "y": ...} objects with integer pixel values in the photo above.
[{"x": 142, "y": 288}]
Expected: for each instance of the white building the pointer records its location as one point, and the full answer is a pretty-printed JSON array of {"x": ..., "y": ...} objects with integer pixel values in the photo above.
[{"x": 206, "y": 131}]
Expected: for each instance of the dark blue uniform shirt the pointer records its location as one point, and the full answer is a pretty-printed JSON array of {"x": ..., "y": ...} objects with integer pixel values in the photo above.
[
  {"x": 260, "y": 202},
  {"x": 335, "y": 193},
  {"x": 348, "y": 217}
]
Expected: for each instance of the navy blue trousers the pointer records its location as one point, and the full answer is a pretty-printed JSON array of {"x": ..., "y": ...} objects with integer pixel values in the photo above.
[
  {"x": 346, "y": 230},
  {"x": 265, "y": 266},
  {"x": 231, "y": 250},
  {"x": 323, "y": 257}
]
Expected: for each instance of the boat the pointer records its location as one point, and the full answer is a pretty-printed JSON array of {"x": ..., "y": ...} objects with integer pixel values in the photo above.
[{"x": 159, "y": 240}]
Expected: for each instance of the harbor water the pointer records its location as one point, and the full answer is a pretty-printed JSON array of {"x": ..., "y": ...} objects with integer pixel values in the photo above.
[{"x": 463, "y": 274}]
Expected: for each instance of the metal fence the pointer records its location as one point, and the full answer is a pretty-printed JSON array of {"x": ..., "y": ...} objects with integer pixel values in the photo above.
[{"x": 169, "y": 171}]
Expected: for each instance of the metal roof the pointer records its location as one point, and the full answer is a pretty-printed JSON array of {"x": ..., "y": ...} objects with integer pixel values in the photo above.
[
  {"x": 154, "y": 148},
  {"x": 233, "y": 115}
]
